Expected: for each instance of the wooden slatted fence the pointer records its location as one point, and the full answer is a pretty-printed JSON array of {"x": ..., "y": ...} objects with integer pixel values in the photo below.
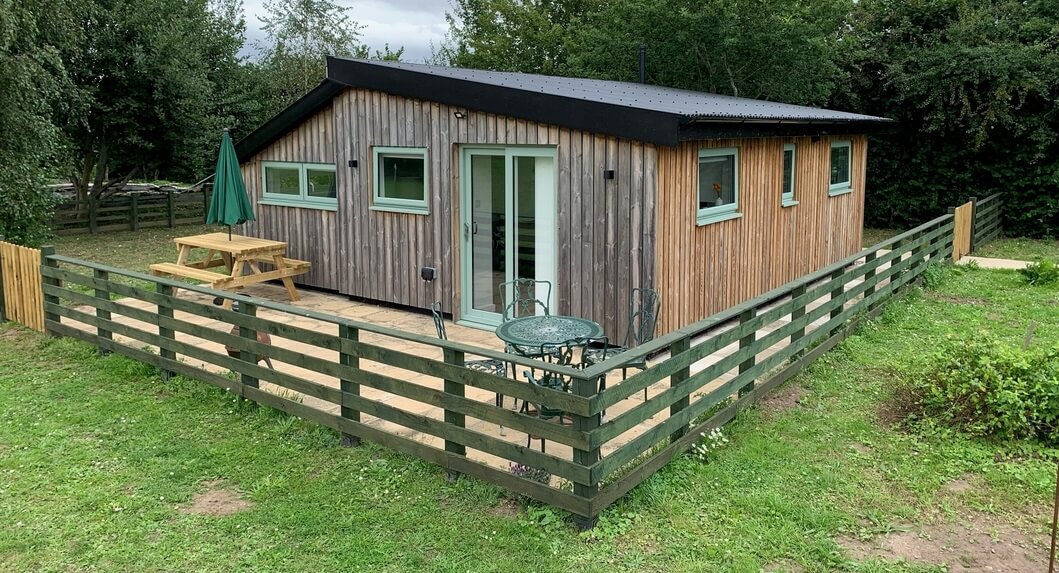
[
  {"x": 350, "y": 376},
  {"x": 21, "y": 300},
  {"x": 132, "y": 212},
  {"x": 987, "y": 219}
]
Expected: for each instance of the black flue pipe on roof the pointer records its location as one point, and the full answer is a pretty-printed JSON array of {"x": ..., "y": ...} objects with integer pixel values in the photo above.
[{"x": 643, "y": 64}]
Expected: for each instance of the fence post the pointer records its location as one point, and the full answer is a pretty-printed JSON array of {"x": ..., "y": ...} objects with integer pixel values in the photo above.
[
  {"x": 46, "y": 260},
  {"x": 586, "y": 458},
  {"x": 455, "y": 358},
  {"x": 869, "y": 278},
  {"x": 134, "y": 212},
  {"x": 349, "y": 336},
  {"x": 974, "y": 219},
  {"x": 3, "y": 317},
  {"x": 836, "y": 293},
  {"x": 92, "y": 204},
  {"x": 102, "y": 294},
  {"x": 169, "y": 207},
  {"x": 676, "y": 379},
  {"x": 251, "y": 334},
  {"x": 797, "y": 314},
  {"x": 165, "y": 310},
  {"x": 746, "y": 342},
  {"x": 206, "y": 200}
]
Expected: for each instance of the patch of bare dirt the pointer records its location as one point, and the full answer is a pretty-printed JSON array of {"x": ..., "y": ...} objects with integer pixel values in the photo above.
[
  {"x": 863, "y": 449},
  {"x": 784, "y": 566},
  {"x": 783, "y": 398},
  {"x": 957, "y": 299},
  {"x": 961, "y": 484},
  {"x": 508, "y": 507},
  {"x": 977, "y": 544},
  {"x": 217, "y": 500}
]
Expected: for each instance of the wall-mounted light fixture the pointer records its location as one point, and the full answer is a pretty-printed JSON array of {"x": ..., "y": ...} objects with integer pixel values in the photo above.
[
  {"x": 353, "y": 163},
  {"x": 459, "y": 114},
  {"x": 608, "y": 174}
]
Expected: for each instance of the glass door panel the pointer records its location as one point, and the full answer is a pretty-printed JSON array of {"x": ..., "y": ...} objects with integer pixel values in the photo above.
[{"x": 488, "y": 210}]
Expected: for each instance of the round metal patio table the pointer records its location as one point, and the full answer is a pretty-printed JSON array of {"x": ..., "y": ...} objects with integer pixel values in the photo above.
[{"x": 531, "y": 332}]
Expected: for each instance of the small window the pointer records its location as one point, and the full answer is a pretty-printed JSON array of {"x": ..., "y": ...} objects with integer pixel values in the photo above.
[
  {"x": 789, "y": 158},
  {"x": 401, "y": 180},
  {"x": 311, "y": 185},
  {"x": 841, "y": 168},
  {"x": 718, "y": 185}
]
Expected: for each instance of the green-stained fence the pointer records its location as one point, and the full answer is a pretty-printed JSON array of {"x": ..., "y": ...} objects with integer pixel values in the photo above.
[
  {"x": 986, "y": 220},
  {"x": 702, "y": 374}
]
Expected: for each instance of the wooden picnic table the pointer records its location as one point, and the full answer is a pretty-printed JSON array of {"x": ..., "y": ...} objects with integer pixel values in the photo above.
[{"x": 238, "y": 254}]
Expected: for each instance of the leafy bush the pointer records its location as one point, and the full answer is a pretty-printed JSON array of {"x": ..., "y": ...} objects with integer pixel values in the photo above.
[
  {"x": 986, "y": 388},
  {"x": 1044, "y": 272}
]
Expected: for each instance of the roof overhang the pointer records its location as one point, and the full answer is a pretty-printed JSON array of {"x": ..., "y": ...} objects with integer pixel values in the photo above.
[
  {"x": 297, "y": 112},
  {"x": 712, "y": 128}
]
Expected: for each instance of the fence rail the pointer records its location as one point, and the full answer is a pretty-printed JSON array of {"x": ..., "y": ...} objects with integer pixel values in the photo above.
[
  {"x": 413, "y": 393},
  {"x": 132, "y": 212},
  {"x": 987, "y": 219},
  {"x": 20, "y": 286}
]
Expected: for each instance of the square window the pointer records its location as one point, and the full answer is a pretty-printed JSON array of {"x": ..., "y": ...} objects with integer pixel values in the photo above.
[
  {"x": 718, "y": 194},
  {"x": 401, "y": 180},
  {"x": 841, "y": 168},
  {"x": 321, "y": 183},
  {"x": 308, "y": 185},
  {"x": 282, "y": 180},
  {"x": 789, "y": 156}
]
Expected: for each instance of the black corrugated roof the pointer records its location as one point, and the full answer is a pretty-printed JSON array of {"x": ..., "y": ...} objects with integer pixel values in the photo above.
[
  {"x": 653, "y": 114},
  {"x": 687, "y": 103}
]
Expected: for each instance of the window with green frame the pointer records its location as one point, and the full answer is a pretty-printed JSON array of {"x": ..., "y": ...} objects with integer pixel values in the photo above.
[
  {"x": 841, "y": 168},
  {"x": 401, "y": 180},
  {"x": 790, "y": 157},
  {"x": 310, "y": 185},
  {"x": 718, "y": 193}
]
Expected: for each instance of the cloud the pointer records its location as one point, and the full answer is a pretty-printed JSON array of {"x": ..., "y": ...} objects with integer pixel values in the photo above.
[{"x": 413, "y": 24}]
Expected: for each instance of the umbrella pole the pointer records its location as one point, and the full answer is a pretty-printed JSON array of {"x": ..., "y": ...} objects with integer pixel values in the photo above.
[{"x": 229, "y": 232}]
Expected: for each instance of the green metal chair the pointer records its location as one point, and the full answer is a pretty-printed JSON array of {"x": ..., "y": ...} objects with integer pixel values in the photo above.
[
  {"x": 498, "y": 367},
  {"x": 570, "y": 353},
  {"x": 523, "y": 301},
  {"x": 644, "y": 305}
]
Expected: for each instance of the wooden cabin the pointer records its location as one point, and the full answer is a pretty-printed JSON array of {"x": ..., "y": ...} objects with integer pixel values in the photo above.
[{"x": 407, "y": 183}]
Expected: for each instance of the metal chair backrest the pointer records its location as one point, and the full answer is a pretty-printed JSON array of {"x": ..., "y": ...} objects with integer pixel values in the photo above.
[
  {"x": 439, "y": 320},
  {"x": 644, "y": 305},
  {"x": 572, "y": 353},
  {"x": 523, "y": 299}
]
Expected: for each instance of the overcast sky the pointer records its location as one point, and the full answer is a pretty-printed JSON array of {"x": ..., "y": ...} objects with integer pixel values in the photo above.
[{"x": 409, "y": 23}]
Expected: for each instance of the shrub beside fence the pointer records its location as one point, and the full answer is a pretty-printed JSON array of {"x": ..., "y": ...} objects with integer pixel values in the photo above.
[{"x": 132, "y": 212}]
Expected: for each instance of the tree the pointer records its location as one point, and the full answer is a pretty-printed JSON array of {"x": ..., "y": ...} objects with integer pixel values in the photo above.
[
  {"x": 974, "y": 85},
  {"x": 33, "y": 80},
  {"x": 511, "y": 35},
  {"x": 300, "y": 34},
  {"x": 144, "y": 77}
]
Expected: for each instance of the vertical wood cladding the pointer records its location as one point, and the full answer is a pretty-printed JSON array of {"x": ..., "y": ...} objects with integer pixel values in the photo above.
[
  {"x": 310, "y": 234},
  {"x": 702, "y": 270},
  {"x": 605, "y": 227}
]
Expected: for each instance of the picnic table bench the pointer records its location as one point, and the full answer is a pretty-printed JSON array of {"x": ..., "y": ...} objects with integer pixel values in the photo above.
[{"x": 239, "y": 254}]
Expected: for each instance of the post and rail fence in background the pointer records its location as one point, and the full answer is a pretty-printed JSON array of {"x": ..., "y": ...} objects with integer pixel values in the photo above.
[
  {"x": 702, "y": 375},
  {"x": 132, "y": 212}
]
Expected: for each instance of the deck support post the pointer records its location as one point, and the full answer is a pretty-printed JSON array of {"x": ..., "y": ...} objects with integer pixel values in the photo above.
[
  {"x": 586, "y": 388},
  {"x": 102, "y": 294},
  {"x": 836, "y": 293},
  {"x": 455, "y": 358},
  {"x": 46, "y": 253},
  {"x": 250, "y": 334},
  {"x": 797, "y": 314},
  {"x": 347, "y": 356},
  {"x": 165, "y": 310},
  {"x": 676, "y": 379}
]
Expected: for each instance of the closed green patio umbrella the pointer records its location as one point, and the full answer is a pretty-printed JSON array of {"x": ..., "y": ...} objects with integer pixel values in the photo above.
[{"x": 229, "y": 205}]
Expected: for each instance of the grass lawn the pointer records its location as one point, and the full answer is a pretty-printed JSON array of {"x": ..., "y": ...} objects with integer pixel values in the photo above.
[
  {"x": 1020, "y": 249},
  {"x": 133, "y": 250},
  {"x": 875, "y": 236},
  {"x": 106, "y": 468}
]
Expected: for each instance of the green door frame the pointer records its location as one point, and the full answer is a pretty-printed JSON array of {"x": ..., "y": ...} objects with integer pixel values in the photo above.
[{"x": 468, "y": 314}]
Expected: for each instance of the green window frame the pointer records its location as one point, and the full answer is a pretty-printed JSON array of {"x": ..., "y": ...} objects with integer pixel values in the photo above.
[
  {"x": 790, "y": 162},
  {"x": 717, "y": 163},
  {"x": 390, "y": 166},
  {"x": 305, "y": 185},
  {"x": 841, "y": 181}
]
